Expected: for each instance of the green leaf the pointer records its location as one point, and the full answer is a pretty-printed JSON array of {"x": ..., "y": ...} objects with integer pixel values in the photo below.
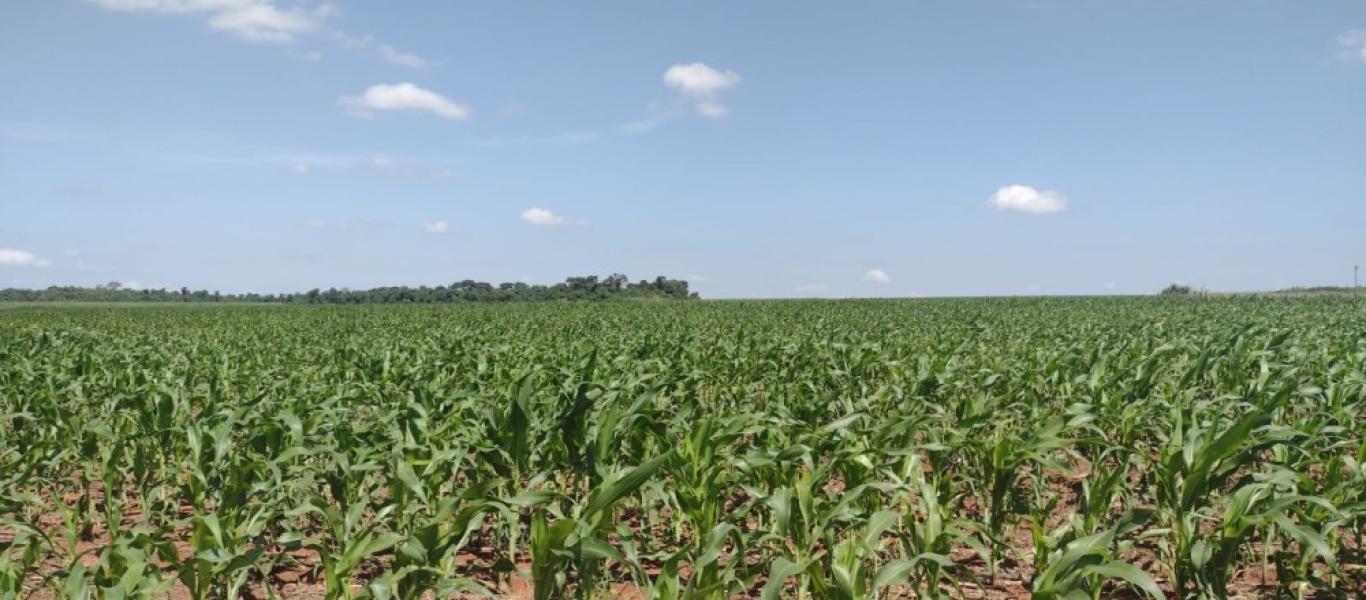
[
  {"x": 1129, "y": 573},
  {"x": 603, "y": 497}
]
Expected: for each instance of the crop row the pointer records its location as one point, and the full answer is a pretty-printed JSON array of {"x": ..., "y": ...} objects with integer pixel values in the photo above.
[{"x": 1046, "y": 448}]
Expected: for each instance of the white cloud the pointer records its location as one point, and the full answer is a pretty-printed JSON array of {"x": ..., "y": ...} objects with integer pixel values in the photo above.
[
  {"x": 1353, "y": 44},
  {"x": 402, "y": 96},
  {"x": 12, "y": 257},
  {"x": 541, "y": 216},
  {"x": 698, "y": 78},
  {"x": 403, "y": 59},
  {"x": 437, "y": 227},
  {"x": 261, "y": 22},
  {"x": 812, "y": 287},
  {"x": 301, "y": 169},
  {"x": 696, "y": 278},
  {"x": 877, "y": 275},
  {"x": 700, "y": 84},
  {"x": 250, "y": 20},
  {"x": 1028, "y": 199}
]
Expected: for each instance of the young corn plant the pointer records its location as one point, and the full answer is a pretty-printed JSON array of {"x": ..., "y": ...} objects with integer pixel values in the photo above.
[
  {"x": 576, "y": 541},
  {"x": 999, "y": 466},
  {"x": 1197, "y": 467},
  {"x": 1081, "y": 567}
]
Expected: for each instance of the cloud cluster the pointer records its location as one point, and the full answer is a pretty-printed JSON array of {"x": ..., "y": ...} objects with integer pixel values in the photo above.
[
  {"x": 437, "y": 227},
  {"x": 402, "y": 96},
  {"x": 701, "y": 84},
  {"x": 1028, "y": 199},
  {"x": 13, "y": 257},
  {"x": 250, "y": 20}
]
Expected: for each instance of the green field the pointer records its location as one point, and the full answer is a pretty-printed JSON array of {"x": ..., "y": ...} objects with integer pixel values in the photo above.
[{"x": 994, "y": 448}]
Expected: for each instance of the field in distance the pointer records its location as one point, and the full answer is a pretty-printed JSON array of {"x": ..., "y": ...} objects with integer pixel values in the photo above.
[{"x": 956, "y": 448}]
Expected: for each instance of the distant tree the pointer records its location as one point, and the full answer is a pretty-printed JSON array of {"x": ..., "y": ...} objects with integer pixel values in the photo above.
[
  {"x": 1176, "y": 289},
  {"x": 585, "y": 288}
]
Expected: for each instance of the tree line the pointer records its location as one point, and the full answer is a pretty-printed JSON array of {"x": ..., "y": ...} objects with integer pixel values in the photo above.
[{"x": 586, "y": 288}]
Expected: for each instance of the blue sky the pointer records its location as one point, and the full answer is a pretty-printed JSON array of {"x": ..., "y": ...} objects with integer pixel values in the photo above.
[{"x": 760, "y": 149}]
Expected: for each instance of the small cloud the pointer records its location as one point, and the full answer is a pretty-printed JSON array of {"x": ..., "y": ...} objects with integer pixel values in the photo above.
[
  {"x": 260, "y": 22},
  {"x": 13, "y": 257},
  {"x": 700, "y": 84},
  {"x": 249, "y": 20},
  {"x": 877, "y": 276},
  {"x": 541, "y": 216},
  {"x": 1028, "y": 199},
  {"x": 403, "y": 59},
  {"x": 1353, "y": 44},
  {"x": 301, "y": 169},
  {"x": 812, "y": 287},
  {"x": 696, "y": 278},
  {"x": 402, "y": 96},
  {"x": 1110, "y": 285},
  {"x": 698, "y": 78},
  {"x": 436, "y": 227}
]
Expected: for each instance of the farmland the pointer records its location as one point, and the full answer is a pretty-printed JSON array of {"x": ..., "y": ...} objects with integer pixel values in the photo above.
[{"x": 956, "y": 448}]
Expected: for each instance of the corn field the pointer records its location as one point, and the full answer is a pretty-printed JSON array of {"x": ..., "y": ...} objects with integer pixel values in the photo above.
[{"x": 996, "y": 448}]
